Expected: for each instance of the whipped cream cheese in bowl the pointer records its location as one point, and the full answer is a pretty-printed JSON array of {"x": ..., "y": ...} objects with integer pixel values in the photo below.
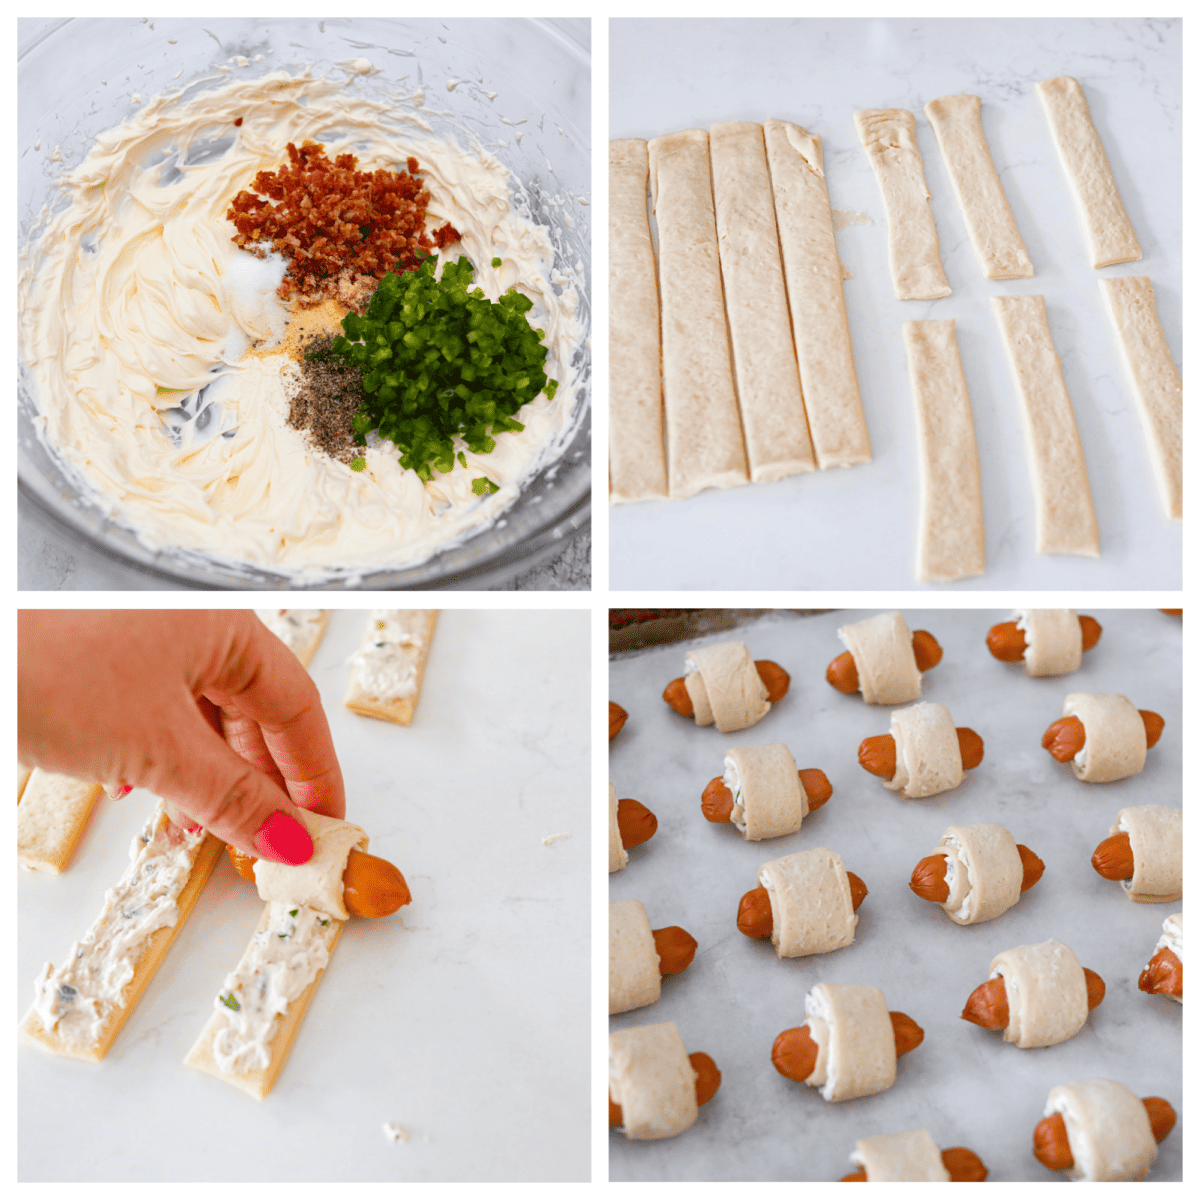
[{"x": 156, "y": 377}]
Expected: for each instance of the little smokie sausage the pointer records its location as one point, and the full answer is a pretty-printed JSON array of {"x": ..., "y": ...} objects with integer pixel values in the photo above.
[
  {"x": 1052, "y": 1147},
  {"x": 708, "y": 1080},
  {"x": 1163, "y": 975},
  {"x": 1065, "y": 737},
  {"x": 929, "y": 875},
  {"x": 794, "y": 1054},
  {"x": 372, "y": 887},
  {"x": 756, "y": 920},
  {"x": 843, "y": 674},
  {"x": 617, "y": 717},
  {"x": 962, "y": 1165},
  {"x": 716, "y": 802},
  {"x": 878, "y": 754},
  {"x": 1007, "y": 642},
  {"x": 987, "y": 1005},
  {"x": 775, "y": 679},
  {"x": 636, "y": 823},
  {"x": 676, "y": 948}
]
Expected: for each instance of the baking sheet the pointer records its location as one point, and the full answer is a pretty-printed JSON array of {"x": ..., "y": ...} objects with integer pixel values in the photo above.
[
  {"x": 857, "y": 528},
  {"x": 463, "y": 1018},
  {"x": 964, "y": 1083}
]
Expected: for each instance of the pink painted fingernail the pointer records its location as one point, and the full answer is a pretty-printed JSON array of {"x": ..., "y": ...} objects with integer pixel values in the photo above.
[
  {"x": 119, "y": 792},
  {"x": 283, "y": 839}
]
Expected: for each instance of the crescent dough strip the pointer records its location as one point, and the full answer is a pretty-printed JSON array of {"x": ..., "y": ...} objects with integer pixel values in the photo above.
[
  {"x": 652, "y": 1079},
  {"x": 1053, "y": 640},
  {"x": 618, "y": 856},
  {"x": 634, "y": 975},
  {"x": 318, "y": 882},
  {"x": 811, "y": 907},
  {"x": 910, "y": 1157},
  {"x": 883, "y": 656},
  {"x": 815, "y": 296},
  {"x": 725, "y": 687},
  {"x": 983, "y": 871},
  {"x": 637, "y": 465},
  {"x": 928, "y": 758},
  {"x": 23, "y": 774},
  {"x": 1156, "y": 838},
  {"x": 1066, "y": 520},
  {"x": 998, "y": 245},
  {"x": 1109, "y": 231},
  {"x": 299, "y": 629},
  {"x": 1047, "y": 993},
  {"x": 889, "y": 136},
  {"x": 385, "y": 679},
  {"x": 1171, "y": 939},
  {"x": 769, "y": 799},
  {"x": 1157, "y": 387},
  {"x": 950, "y": 541},
  {"x": 107, "y": 971},
  {"x": 51, "y": 817},
  {"x": 1108, "y": 1130},
  {"x": 1115, "y": 745},
  {"x": 704, "y": 434},
  {"x": 768, "y": 380},
  {"x": 856, "y": 1044}
]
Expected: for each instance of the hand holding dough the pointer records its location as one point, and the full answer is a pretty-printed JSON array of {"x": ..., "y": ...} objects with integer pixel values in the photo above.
[
  {"x": 1050, "y": 641},
  {"x": 630, "y": 823},
  {"x": 924, "y": 754},
  {"x": 913, "y": 1157},
  {"x": 1102, "y": 736},
  {"x": 762, "y": 792},
  {"x": 639, "y": 957},
  {"x": 883, "y": 659},
  {"x": 723, "y": 685},
  {"x": 1163, "y": 974},
  {"x": 1144, "y": 851},
  {"x": 655, "y": 1087}
]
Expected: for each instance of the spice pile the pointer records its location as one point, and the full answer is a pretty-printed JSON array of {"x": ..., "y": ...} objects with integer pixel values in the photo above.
[{"x": 329, "y": 395}]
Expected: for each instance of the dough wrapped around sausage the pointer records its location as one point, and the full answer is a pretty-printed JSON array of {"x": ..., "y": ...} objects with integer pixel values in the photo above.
[
  {"x": 724, "y": 686},
  {"x": 634, "y": 977},
  {"x": 769, "y": 800},
  {"x": 928, "y": 758},
  {"x": 983, "y": 872},
  {"x": 1116, "y": 736},
  {"x": 618, "y": 856},
  {"x": 1156, "y": 839},
  {"x": 856, "y": 1046},
  {"x": 883, "y": 655},
  {"x": 909, "y": 1157},
  {"x": 1172, "y": 939},
  {"x": 651, "y": 1078},
  {"x": 1108, "y": 1130},
  {"x": 318, "y": 882},
  {"x": 1047, "y": 994},
  {"x": 811, "y": 907},
  {"x": 1053, "y": 640}
]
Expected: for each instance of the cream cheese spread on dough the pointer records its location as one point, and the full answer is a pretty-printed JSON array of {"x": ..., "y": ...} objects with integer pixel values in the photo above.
[
  {"x": 385, "y": 667},
  {"x": 294, "y": 627},
  {"x": 134, "y": 298}
]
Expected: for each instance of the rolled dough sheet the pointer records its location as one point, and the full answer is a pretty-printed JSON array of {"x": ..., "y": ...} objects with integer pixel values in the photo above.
[
  {"x": 1157, "y": 386},
  {"x": 889, "y": 136},
  {"x": 1105, "y": 221},
  {"x": 637, "y": 465},
  {"x": 950, "y": 541},
  {"x": 828, "y": 380},
  {"x": 1066, "y": 520},
  {"x": 989, "y": 220},
  {"x": 704, "y": 433},
  {"x": 764, "y": 359}
]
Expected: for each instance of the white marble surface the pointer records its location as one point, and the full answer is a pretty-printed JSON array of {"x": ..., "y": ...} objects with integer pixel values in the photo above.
[
  {"x": 857, "y": 528},
  {"x": 964, "y": 1083},
  {"x": 464, "y": 1018}
]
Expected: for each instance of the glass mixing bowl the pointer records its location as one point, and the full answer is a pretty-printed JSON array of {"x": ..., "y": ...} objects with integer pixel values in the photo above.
[{"x": 76, "y": 79}]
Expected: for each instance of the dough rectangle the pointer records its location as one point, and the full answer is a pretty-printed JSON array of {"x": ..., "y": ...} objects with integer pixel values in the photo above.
[
  {"x": 299, "y": 629},
  {"x": 1109, "y": 231},
  {"x": 989, "y": 220},
  {"x": 417, "y": 623},
  {"x": 1066, "y": 519},
  {"x": 768, "y": 379},
  {"x": 889, "y": 136},
  {"x": 51, "y": 816},
  {"x": 1157, "y": 386},
  {"x": 704, "y": 433},
  {"x": 950, "y": 539},
  {"x": 813, "y": 271},
  {"x": 637, "y": 465}
]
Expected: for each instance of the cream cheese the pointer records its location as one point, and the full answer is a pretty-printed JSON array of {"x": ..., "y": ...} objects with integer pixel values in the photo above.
[
  {"x": 134, "y": 300},
  {"x": 77, "y": 999},
  {"x": 385, "y": 665},
  {"x": 733, "y": 781},
  {"x": 294, "y": 627}
]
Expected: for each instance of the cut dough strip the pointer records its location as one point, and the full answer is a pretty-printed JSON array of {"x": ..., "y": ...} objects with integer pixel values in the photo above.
[
  {"x": 989, "y": 220},
  {"x": 1155, "y": 378},
  {"x": 704, "y": 435},
  {"x": 634, "y": 975},
  {"x": 51, "y": 817},
  {"x": 172, "y": 898},
  {"x": 889, "y": 136},
  {"x": 950, "y": 539},
  {"x": 299, "y": 629},
  {"x": 909, "y": 1157},
  {"x": 768, "y": 380},
  {"x": 1105, "y": 221},
  {"x": 23, "y": 774},
  {"x": 1066, "y": 519},
  {"x": 815, "y": 295},
  {"x": 390, "y": 663},
  {"x": 637, "y": 465}
]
